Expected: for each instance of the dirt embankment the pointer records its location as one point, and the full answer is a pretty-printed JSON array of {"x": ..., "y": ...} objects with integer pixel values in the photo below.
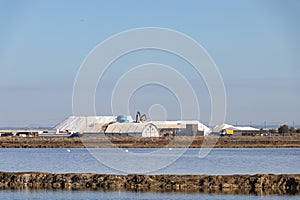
[
  {"x": 232, "y": 184},
  {"x": 137, "y": 142}
]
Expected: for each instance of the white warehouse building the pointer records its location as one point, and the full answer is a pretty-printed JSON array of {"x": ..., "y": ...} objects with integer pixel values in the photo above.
[{"x": 132, "y": 129}]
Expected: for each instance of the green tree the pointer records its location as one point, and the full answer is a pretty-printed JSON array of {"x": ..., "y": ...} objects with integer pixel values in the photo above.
[{"x": 283, "y": 129}]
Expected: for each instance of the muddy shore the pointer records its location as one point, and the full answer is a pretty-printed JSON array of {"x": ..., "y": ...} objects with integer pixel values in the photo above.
[
  {"x": 136, "y": 142},
  {"x": 231, "y": 184}
]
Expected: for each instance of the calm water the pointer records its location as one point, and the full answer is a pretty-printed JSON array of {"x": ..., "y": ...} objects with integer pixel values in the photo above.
[
  {"x": 88, "y": 195},
  {"x": 219, "y": 161}
]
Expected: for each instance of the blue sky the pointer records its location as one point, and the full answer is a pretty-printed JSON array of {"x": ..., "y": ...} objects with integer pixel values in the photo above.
[{"x": 255, "y": 45}]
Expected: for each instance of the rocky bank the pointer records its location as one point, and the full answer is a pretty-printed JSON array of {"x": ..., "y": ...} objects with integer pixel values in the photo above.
[{"x": 232, "y": 184}]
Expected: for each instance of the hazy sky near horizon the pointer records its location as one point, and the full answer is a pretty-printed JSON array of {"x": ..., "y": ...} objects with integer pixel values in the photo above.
[{"x": 254, "y": 43}]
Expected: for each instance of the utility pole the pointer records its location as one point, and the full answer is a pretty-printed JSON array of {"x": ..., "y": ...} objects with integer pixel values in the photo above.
[{"x": 86, "y": 123}]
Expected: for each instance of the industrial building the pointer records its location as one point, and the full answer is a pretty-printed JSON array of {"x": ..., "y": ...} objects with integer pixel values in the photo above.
[
  {"x": 181, "y": 128},
  {"x": 132, "y": 129},
  {"x": 124, "y": 125},
  {"x": 227, "y": 129}
]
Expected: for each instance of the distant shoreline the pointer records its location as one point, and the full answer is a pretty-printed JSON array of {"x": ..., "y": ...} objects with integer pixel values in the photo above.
[{"x": 137, "y": 142}]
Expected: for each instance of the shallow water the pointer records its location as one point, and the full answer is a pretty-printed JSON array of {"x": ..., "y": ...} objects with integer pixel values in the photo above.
[
  {"x": 88, "y": 195},
  {"x": 218, "y": 161}
]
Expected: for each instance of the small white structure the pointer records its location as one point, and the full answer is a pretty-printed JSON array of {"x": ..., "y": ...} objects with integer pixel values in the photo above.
[
  {"x": 221, "y": 127},
  {"x": 87, "y": 124},
  {"x": 132, "y": 129}
]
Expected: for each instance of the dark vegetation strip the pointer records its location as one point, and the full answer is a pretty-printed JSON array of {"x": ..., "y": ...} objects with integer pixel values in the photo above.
[{"x": 232, "y": 184}]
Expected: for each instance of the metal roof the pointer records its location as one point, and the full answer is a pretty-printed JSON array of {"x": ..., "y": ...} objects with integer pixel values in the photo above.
[
  {"x": 218, "y": 128},
  {"x": 127, "y": 127}
]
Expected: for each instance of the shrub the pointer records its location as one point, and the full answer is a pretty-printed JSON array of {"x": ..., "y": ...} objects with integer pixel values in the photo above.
[{"x": 283, "y": 129}]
